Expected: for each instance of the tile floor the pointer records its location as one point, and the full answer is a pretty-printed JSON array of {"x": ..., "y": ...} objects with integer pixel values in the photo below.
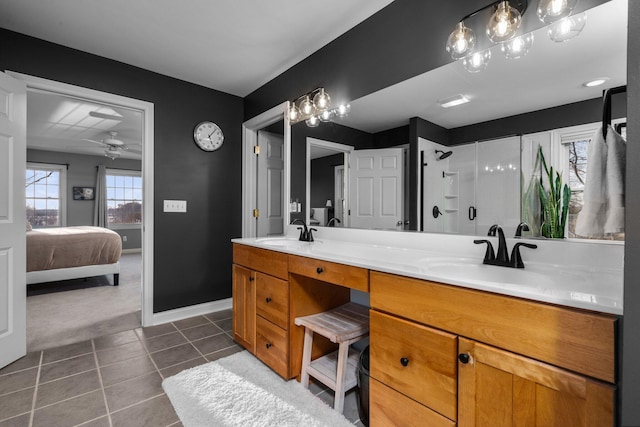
[{"x": 116, "y": 380}]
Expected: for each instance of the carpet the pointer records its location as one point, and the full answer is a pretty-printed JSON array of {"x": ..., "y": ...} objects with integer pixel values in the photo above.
[{"x": 239, "y": 390}]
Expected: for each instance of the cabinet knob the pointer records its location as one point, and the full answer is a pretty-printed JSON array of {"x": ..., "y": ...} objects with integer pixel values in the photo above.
[
  {"x": 251, "y": 278},
  {"x": 464, "y": 358},
  {"x": 404, "y": 361},
  {"x": 319, "y": 270},
  {"x": 268, "y": 345},
  {"x": 267, "y": 299}
]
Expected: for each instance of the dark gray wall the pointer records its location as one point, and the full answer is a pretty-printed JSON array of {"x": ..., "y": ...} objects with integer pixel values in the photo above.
[
  {"x": 192, "y": 251},
  {"x": 81, "y": 172}
]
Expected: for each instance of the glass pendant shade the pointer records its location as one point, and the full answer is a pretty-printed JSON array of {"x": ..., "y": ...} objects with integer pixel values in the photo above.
[
  {"x": 322, "y": 100},
  {"x": 504, "y": 23},
  {"x": 567, "y": 28},
  {"x": 343, "y": 110},
  {"x": 306, "y": 106},
  {"x": 517, "y": 47},
  {"x": 477, "y": 62},
  {"x": 550, "y": 11},
  {"x": 312, "y": 121},
  {"x": 461, "y": 41},
  {"x": 325, "y": 115},
  {"x": 294, "y": 113}
]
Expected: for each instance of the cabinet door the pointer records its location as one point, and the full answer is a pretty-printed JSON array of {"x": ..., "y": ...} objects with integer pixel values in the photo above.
[
  {"x": 244, "y": 307},
  {"x": 272, "y": 299},
  {"x": 498, "y": 388}
]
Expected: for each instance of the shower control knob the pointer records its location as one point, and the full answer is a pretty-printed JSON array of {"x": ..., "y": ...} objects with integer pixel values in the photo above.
[{"x": 464, "y": 358}]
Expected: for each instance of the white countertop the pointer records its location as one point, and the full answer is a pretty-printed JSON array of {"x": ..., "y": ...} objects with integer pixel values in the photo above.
[{"x": 573, "y": 280}]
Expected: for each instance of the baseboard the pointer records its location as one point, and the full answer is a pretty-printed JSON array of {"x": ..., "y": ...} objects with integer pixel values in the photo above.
[
  {"x": 191, "y": 311},
  {"x": 132, "y": 251}
]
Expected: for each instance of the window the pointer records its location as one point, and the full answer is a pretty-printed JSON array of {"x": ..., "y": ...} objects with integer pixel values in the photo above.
[
  {"x": 45, "y": 189},
  {"x": 124, "y": 198}
]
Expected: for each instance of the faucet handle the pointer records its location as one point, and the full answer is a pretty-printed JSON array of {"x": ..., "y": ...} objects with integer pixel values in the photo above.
[
  {"x": 489, "y": 255},
  {"x": 310, "y": 234},
  {"x": 303, "y": 234},
  {"x": 516, "y": 259}
]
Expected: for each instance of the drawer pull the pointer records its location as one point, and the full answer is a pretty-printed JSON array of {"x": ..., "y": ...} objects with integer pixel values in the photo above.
[
  {"x": 251, "y": 278},
  {"x": 404, "y": 361},
  {"x": 268, "y": 300},
  {"x": 268, "y": 345},
  {"x": 319, "y": 270},
  {"x": 464, "y": 358}
]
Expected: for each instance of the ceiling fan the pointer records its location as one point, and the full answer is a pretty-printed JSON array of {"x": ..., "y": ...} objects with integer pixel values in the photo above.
[{"x": 113, "y": 146}]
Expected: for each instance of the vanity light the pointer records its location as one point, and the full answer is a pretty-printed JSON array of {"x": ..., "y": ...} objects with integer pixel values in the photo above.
[
  {"x": 314, "y": 107},
  {"x": 322, "y": 100},
  {"x": 477, "y": 62},
  {"x": 325, "y": 116},
  {"x": 453, "y": 101},
  {"x": 306, "y": 106},
  {"x": 504, "y": 23},
  {"x": 343, "y": 110},
  {"x": 596, "y": 82},
  {"x": 567, "y": 28},
  {"x": 312, "y": 121},
  {"x": 517, "y": 47},
  {"x": 461, "y": 41},
  {"x": 550, "y": 11}
]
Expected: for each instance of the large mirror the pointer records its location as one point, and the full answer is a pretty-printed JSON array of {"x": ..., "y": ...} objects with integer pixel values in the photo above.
[{"x": 511, "y": 100}]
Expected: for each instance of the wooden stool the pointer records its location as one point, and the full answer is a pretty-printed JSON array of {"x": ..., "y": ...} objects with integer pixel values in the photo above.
[{"x": 343, "y": 325}]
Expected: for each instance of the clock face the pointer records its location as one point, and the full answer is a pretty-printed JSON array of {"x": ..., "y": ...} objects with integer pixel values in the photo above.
[{"x": 208, "y": 136}]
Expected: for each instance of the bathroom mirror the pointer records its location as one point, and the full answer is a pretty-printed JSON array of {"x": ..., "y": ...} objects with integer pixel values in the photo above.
[{"x": 550, "y": 75}]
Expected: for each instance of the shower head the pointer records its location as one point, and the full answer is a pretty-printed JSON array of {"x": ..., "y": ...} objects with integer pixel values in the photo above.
[{"x": 444, "y": 154}]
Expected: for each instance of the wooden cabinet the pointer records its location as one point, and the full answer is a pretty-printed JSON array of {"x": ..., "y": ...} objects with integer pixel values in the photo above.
[{"x": 244, "y": 303}]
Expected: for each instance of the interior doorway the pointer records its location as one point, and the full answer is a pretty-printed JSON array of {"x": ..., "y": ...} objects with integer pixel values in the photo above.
[{"x": 144, "y": 259}]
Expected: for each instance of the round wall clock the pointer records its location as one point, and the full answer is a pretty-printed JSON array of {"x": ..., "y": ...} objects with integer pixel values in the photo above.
[{"x": 208, "y": 136}]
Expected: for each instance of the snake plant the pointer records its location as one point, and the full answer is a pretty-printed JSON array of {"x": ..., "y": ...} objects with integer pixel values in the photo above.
[{"x": 554, "y": 202}]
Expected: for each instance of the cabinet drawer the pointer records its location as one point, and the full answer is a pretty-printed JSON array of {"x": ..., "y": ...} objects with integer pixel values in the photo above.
[
  {"x": 272, "y": 299},
  {"x": 417, "y": 361},
  {"x": 331, "y": 272},
  {"x": 390, "y": 408},
  {"x": 270, "y": 262},
  {"x": 272, "y": 346},
  {"x": 574, "y": 339}
]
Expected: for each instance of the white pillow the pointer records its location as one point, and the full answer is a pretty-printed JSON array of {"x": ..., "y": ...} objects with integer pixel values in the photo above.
[{"x": 29, "y": 228}]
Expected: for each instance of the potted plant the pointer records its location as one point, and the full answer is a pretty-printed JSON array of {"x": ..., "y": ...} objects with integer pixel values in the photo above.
[{"x": 554, "y": 202}]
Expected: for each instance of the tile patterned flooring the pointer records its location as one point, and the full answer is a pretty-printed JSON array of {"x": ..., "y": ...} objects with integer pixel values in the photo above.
[{"x": 116, "y": 380}]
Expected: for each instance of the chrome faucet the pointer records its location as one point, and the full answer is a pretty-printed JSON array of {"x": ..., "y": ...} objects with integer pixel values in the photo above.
[
  {"x": 332, "y": 222},
  {"x": 502, "y": 258},
  {"x": 306, "y": 234}
]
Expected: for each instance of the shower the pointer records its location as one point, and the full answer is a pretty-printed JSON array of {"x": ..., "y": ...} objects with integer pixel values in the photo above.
[{"x": 444, "y": 154}]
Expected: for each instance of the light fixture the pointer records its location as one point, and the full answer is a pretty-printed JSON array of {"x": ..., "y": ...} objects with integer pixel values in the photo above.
[
  {"x": 504, "y": 23},
  {"x": 453, "y": 101},
  {"x": 461, "y": 41},
  {"x": 315, "y": 107},
  {"x": 550, "y": 11},
  {"x": 112, "y": 153},
  {"x": 596, "y": 82},
  {"x": 329, "y": 203},
  {"x": 477, "y": 62},
  {"x": 517, "y": 47},
  {"x": 567, "y": 28}
]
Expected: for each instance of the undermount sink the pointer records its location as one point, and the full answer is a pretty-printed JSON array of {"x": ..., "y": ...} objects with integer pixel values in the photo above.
[
  {"x": 279, "y": 241},
  {"x": 487, "y": 273}
]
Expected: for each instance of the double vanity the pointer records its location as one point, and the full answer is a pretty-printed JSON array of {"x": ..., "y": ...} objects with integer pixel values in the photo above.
[{"x": 452, "y": 341}]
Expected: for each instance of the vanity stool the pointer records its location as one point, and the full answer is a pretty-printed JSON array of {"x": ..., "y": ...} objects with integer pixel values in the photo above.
[{"x": 343, "y": 325}]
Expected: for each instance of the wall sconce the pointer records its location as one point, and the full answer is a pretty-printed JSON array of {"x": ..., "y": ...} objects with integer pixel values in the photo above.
[
  {"x": 315, "y": 107},
  {"x": 329, "y": 203}
]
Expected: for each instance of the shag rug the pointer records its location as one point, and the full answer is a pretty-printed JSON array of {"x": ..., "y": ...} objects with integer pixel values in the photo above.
[{"x": 239, "y": 390}]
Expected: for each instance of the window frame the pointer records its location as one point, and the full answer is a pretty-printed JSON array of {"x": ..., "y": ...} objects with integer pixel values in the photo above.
[
  {"x": 62, "y": 189},
  {"x": 132, "y": 173}
]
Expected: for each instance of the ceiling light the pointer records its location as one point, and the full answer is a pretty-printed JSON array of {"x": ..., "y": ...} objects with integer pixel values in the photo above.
[
  {"x": 453, "y": 101},
  {"x": 504, "y": 23},
  {"x": 595, "y": 82},
  {"x": 461, "y": 41},
  {"x": 550, "y": 11},
  {"x": 567, "y": 28},
  {"x": 517, "y": 47},
  {"x": 112, "y": 154},
  {"x": 477, "y": 62}
]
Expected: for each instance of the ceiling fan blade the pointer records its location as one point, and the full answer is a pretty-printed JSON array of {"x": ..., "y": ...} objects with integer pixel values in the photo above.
[
  {"x": 105, "y": 116},
  {"x": 96, "y": 142}
]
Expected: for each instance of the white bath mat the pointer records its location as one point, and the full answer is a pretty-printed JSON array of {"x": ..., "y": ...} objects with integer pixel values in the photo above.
[{"x": 239, "y": 390}]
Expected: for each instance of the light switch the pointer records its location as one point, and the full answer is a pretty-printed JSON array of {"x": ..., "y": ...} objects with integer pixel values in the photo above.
[{"x": 175, "y": 205}]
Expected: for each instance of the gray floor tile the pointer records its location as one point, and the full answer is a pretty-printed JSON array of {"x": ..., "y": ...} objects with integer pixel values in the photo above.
[
  {"x": 26, "y": 362},
  {"x": 226, "y": 324},
  {"x": 201, "y": 331},
  {"x": 119, "y": 353},
  {"x": 125, "y": 370},
  {"x": 19, "y": 421},
  {"x": 17, "y": 381},
  {"x": 214, "y": 343},
  {"x": 174, "y": 355},
  {"x": 64, "y": 368},
  {"x": 219, "y": 315},
  {"x": 98, "y": 422},
  {"x": 191, "y": 322},
  {"x": 224, "y": 353},
  {"x": 164, "y": 341},
  {"x": 133, "y": 391},
  {"x": 154, "y": 331},
  {"x": 71, "y": 412},
  {"x": 67, "y": 388},
  {"x": 16, "y": 403},
  {"x": 66, "y": 351},
  {"x": 172, "y": 370},
  {"x": 114, "y": 340},
  {"x": 154, "y": 412}
]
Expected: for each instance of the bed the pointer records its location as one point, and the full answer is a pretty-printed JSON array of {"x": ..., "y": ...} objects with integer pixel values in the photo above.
[{"x": 65, "y": 253}]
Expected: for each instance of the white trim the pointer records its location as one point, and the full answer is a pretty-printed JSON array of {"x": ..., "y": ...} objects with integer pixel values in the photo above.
[
  {"x": 132, "y": 251},
  {"x": 191, "y": 311},
  {"x": 147, "y": 109},
  {"x": 62, "y": 188},
  {"x": 54, "y": 275},
  {"x": 249, "y": 164}
]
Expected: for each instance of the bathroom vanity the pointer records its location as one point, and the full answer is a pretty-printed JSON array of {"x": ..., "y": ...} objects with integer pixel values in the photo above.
[{"x": 452, "y": 341}]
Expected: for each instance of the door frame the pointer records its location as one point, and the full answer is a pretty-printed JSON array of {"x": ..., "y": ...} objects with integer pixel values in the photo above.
[
  {"x": 250, "y": 130},
  {"x": 147, "y": 108}
]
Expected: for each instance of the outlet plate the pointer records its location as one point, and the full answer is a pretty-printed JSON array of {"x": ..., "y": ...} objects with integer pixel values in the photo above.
[{"x": 175, "y": 206}]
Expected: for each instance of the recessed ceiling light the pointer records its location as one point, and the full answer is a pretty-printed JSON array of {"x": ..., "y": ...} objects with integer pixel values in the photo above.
[
  {"x": 453, "y": 101},
  {"x": 595, "y": 82}
]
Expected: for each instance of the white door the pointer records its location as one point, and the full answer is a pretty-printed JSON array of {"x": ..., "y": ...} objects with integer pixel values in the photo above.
[
  {"x": 338, "y": 191},
  {"x": 270, "y": 184},
  {"x": 13, "y": 241},
  {"x": 376, "y": 188}
]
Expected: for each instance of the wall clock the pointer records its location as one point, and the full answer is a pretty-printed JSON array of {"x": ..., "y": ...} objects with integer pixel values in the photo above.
[{"x": 208, "y": 136}]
